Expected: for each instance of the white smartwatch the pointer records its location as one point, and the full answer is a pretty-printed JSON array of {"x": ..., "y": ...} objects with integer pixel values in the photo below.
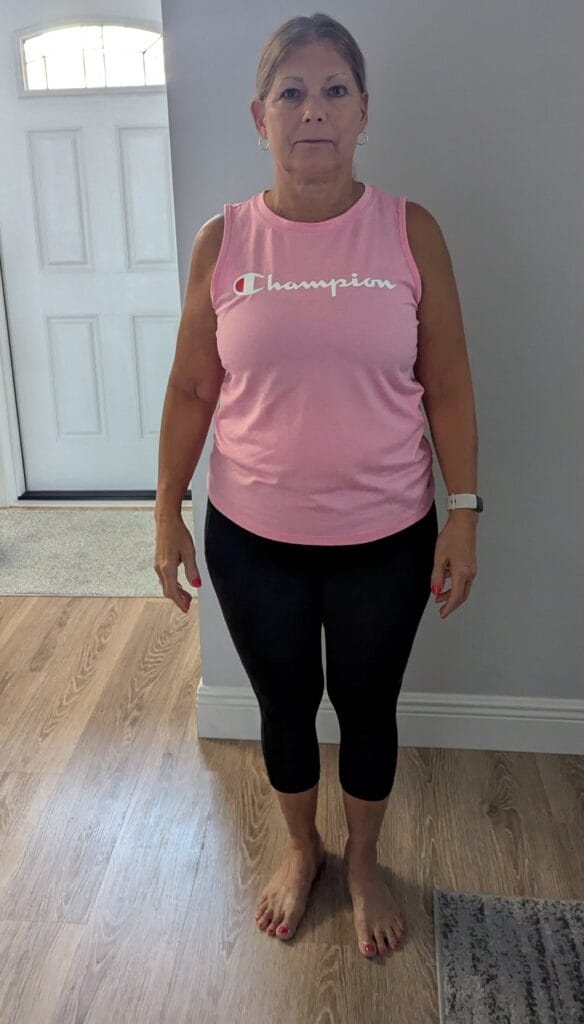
[{"x": 464, "y": 501}]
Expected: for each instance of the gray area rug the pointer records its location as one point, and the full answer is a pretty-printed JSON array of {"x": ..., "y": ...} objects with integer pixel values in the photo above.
[
  {"x": 509, "y": 960},
  {"x": 83, "y": 552}
]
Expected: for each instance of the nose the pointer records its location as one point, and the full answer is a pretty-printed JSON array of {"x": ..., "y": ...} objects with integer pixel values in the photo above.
[{"x": 311, "y": 109}]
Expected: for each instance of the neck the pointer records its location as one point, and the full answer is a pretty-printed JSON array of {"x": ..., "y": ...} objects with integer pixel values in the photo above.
[{"x": 304, "y": 204}]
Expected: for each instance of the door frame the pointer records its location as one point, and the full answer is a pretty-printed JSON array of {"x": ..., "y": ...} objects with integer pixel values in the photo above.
[{"x": 11, "y": 458}]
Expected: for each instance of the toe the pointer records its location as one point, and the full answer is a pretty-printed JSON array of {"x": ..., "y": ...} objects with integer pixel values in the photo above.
[
  {"x": 367, "y": 945},
  {"x": 383, "y": 947},
  {"x": 365, "y": 937},
  {"x": 263, "y": 920}
]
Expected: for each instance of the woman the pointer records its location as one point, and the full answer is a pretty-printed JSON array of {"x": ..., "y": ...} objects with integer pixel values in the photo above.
[{"x": 304, "y": 313}]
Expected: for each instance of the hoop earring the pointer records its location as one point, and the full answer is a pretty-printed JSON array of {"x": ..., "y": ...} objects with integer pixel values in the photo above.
[
  {"x": 366, "y": 139},
  {"x": 260, "y": 140}
]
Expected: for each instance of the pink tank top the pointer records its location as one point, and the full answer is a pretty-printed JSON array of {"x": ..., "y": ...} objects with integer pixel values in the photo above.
[{"x": 319, "y": 433}]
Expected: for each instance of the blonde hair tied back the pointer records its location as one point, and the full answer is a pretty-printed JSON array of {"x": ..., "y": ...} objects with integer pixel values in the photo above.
[{"x": 298, "y": 32}]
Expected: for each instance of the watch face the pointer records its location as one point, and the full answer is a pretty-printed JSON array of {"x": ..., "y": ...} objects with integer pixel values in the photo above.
[{"x": 479, "y": 504}]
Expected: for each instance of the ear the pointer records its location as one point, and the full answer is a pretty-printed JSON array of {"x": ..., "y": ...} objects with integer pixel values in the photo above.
[
  {"x": 365, "y": 107},
  {"x": 257, "y": 112}
]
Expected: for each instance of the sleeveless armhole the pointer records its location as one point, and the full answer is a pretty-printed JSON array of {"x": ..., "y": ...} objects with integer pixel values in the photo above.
[
  {"x": 221, "y": 254},
  {"x": 403, "y": 234}
]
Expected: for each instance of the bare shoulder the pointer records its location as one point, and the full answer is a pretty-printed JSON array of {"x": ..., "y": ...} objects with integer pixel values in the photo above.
[
  {"x": 210, "y": 235},
  {"x": 425, "y": 237}
]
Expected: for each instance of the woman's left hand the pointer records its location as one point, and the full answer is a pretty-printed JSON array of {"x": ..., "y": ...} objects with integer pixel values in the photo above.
[{"x": 455, "y": 556}]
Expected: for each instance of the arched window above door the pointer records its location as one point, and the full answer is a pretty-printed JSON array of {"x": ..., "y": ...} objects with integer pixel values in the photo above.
[{"x": 93, "y": 57}]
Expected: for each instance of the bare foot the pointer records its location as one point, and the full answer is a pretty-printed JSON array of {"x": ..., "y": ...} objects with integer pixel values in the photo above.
[
  {"x": 283, "y": 900},
  {"x": 378, "y": 919}
]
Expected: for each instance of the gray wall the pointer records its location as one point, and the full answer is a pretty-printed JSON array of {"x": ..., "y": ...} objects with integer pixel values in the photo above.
[{"x": 476, "y": 112}]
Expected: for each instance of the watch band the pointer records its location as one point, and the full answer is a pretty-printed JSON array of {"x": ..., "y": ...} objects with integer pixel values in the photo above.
[{"x": 464, "y": 501}]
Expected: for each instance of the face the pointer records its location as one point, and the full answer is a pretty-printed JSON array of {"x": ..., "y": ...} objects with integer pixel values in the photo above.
[{"x": 313, "y": 96}]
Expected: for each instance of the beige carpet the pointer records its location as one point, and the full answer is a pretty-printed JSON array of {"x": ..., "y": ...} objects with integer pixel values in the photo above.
[{"x": 93, "y": 552}]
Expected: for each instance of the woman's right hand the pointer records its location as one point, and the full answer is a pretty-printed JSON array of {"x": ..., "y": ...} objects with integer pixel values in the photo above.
[{"x": 174, "y": 545}]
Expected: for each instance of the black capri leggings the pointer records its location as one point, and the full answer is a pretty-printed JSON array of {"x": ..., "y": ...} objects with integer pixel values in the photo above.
[{"x": 277, "y": 596}]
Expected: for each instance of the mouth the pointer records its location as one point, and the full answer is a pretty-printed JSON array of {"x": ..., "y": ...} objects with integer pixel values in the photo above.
[{"x": 311, "y": 142}]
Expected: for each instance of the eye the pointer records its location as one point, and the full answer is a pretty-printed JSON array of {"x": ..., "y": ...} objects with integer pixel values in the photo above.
[{"x": 292, "y": 88}]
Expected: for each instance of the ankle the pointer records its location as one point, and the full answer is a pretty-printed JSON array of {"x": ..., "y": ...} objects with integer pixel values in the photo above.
[
  {"x": 357, "y": 848},
  {"x": 309, "y": 842}
]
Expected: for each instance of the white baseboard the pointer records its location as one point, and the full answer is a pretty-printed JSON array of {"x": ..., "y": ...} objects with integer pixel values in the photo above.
[{"x": 532, "y": 724}]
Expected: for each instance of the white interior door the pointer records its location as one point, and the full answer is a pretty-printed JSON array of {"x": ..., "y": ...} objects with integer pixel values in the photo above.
[{"x": 90, "y": 272}]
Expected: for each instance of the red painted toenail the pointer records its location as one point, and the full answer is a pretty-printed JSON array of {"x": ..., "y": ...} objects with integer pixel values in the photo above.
[
  {"x": 283, "y": 930},
  {"x": 368, "y": 947}
]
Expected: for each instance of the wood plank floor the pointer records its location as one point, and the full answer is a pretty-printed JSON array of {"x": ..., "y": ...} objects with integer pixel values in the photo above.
[{"x": 132, "y": 854}]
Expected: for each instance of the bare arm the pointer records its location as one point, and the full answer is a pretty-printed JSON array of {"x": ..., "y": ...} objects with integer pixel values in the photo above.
[{"x": 195, "y": 378}]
